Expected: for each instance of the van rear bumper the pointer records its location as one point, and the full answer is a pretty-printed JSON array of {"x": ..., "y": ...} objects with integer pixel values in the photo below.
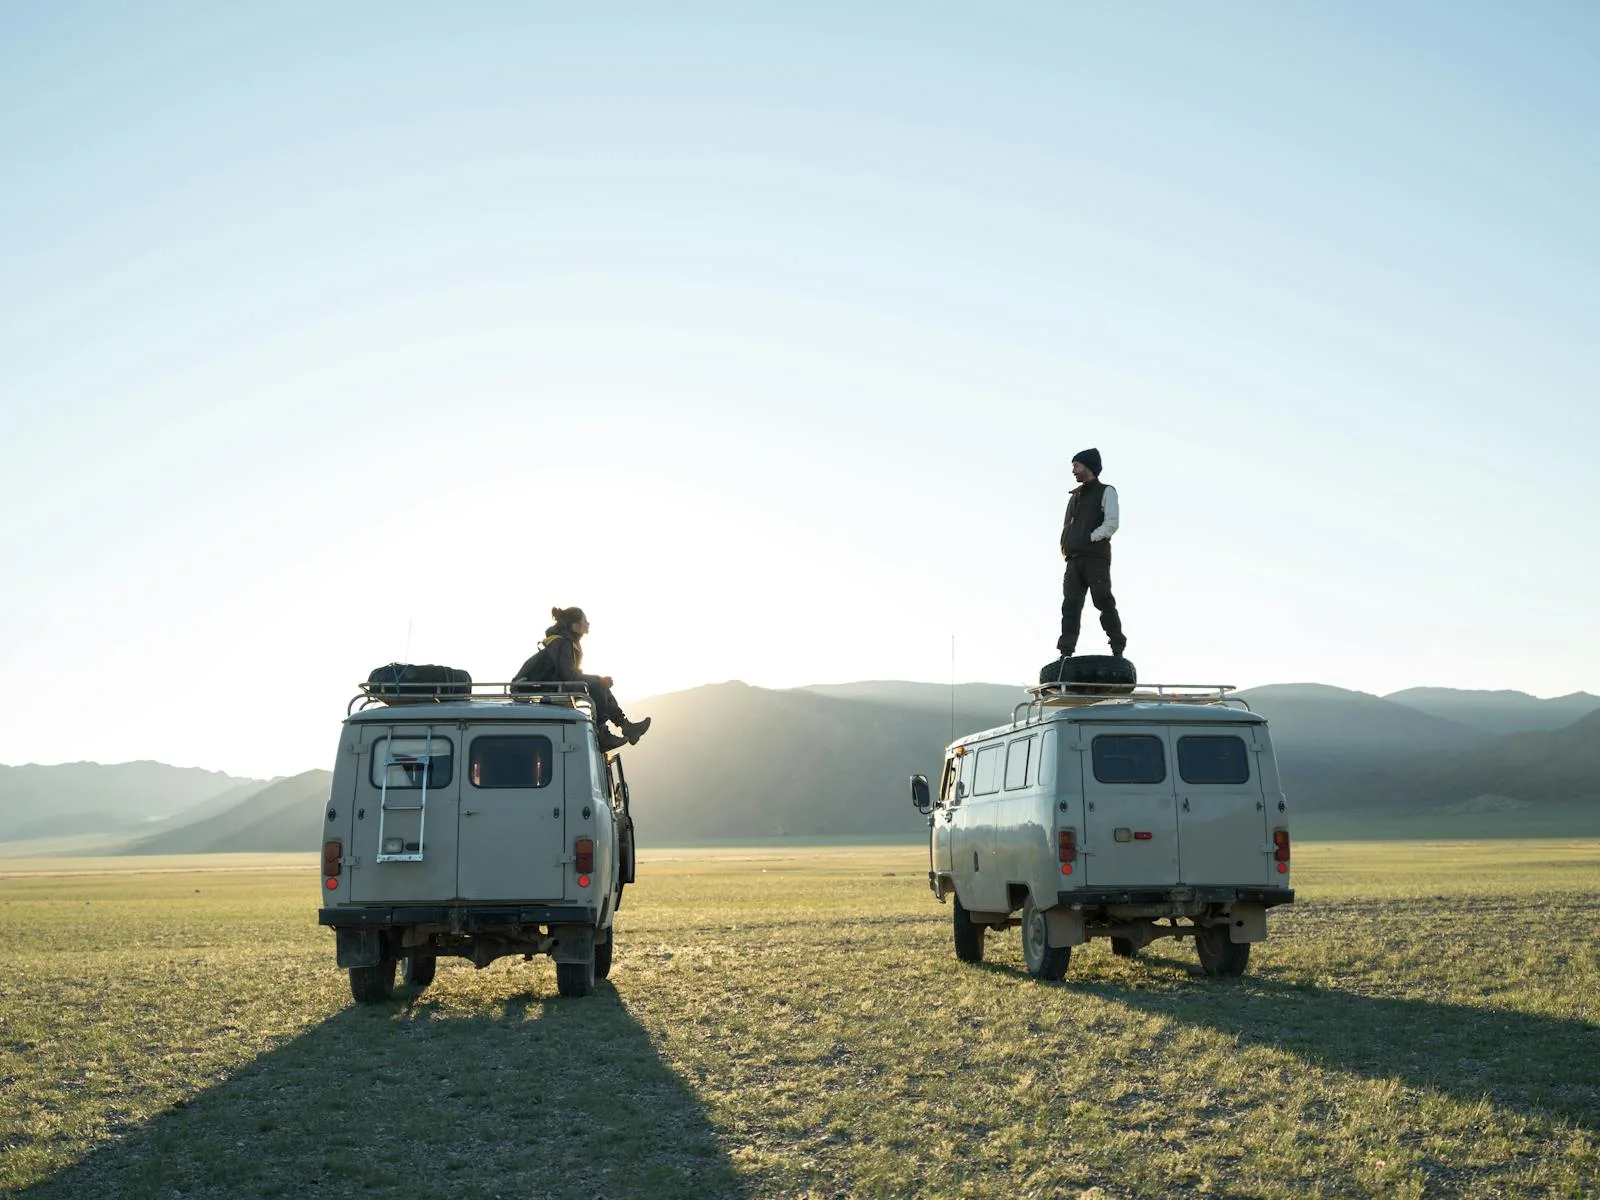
[
  {"x": 464, "y": 917},
  {"x": 1180, "y": 894}
]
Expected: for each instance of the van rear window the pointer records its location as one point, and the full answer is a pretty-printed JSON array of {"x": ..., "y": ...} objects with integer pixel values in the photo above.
[
  {"x": 407, "y": 761},
  {"x": 1213, "y": 760},
  {"x": 1128, "y": 758},
  {"x": 510, "y": 762}
]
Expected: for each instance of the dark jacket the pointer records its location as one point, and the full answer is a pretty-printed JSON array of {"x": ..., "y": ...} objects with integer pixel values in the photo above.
[
  {"x": 1086, "y": 511},
  {"x": 558, "y": 660}
]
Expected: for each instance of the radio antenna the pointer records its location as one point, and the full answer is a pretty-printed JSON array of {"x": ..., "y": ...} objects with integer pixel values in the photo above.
[
  {"x": 406, "y": 657},
  {"x": 952, "y": 687}
]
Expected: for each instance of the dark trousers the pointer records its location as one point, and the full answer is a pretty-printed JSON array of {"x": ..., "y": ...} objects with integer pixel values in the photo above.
[
  {"x": 606, "y": 707},
  {"x": 1091, "y": 577}
]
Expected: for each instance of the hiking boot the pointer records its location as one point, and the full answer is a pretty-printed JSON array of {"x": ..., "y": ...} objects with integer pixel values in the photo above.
[
  {"x": 1117, "y": 648},
  {"x": 1064, "y": 647},
  {"x": 634, "y": 730},
  {"x": 610, "y": 741}
]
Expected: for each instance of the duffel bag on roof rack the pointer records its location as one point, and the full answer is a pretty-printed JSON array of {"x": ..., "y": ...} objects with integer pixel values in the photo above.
[{"x": 417, "y": 683}]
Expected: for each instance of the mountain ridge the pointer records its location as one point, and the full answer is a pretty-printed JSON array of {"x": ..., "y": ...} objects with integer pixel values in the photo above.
[{"x": 731, "y": 760}]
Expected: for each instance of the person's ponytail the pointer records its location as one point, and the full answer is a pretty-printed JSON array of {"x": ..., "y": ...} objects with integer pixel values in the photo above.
[{"x": 566, "y": 617}]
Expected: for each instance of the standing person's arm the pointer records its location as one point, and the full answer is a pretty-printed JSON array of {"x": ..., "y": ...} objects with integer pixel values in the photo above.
[{"x": 1111, "y": 513}]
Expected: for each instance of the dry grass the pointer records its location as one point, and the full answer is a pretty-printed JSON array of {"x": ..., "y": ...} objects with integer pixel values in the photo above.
[{"x": 1426, "y": 1022}]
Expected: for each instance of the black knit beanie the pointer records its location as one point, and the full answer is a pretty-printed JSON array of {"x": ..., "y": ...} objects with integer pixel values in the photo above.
[{"x": 1089, "y": 458}]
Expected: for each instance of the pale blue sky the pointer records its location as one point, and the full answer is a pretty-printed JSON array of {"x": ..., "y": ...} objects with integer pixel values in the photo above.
[{"x": 766, "y": 333}]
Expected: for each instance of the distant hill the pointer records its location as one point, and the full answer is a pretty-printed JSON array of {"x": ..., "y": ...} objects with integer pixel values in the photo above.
[
  {"x": 1544, "y": 768},
  {"x": 219, "y": 803},
  {"x": 730, "y": 761},
  {"x": 1318, "y": 718},
  {"x": 1327, "y": 738},
  {"x": 1540, "y": 784},
  {"x": 1499, "y": 712},
  {"x": 976, "y": 704},
  {"x": 282, "y": 816},
  {"x": 84, "y": 797}
]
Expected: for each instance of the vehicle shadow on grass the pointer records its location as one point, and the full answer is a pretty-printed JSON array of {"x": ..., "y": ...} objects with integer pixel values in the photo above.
[
  {"x": 532, "y": 1096},
  {"x": 1528, "y": 1063}
]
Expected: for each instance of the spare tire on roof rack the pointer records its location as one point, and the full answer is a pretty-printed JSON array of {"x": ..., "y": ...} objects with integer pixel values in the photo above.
[
  {"x": 1090, "y": 675},
  {"x": 417, "y": 683}
]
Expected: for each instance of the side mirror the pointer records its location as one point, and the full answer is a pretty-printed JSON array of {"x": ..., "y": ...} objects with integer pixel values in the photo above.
[{"x": 919, "y": 793}]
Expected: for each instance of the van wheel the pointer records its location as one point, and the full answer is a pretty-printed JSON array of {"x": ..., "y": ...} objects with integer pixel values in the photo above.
[
  {"x": 419, "y": 969},
  {"x": 576, "y": 979},
  {"x": 1220, "y": 955},
  {"x": 373, "y": 985},
  {"x": 602, "y": 958},
  {"x": 969, "y": 936},
  {"x": 1124, "y": 948},
  {"x": 1044, "y": 960}
]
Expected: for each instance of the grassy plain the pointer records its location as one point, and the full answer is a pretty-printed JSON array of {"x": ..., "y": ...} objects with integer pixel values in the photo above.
[{"x": 1425, "y": 1022}]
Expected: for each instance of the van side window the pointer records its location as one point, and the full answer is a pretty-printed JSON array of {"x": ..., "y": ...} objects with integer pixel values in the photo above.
[
  {"x": 1017, "y": 755},
  {"x": 1047, "y": 759},
  {"x": 510, "y": 762},
  {"x": 947, "y": 781},
  {"x": 407, "y": 759},
  {"x": 987, "y": 777},
  {"x": 963, "y": 787},
  {"x": 1213, "y": 760},
  {"x": 1128, "y": 758}
]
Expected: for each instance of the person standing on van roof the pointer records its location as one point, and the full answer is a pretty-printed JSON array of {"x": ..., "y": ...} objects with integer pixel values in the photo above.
[
  {"x": 1092, "y": 517},
  {"x": 560, "y": 660}
]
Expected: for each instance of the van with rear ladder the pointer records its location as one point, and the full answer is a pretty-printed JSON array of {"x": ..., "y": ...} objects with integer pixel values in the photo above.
[
  {"x": 1151, "y": 814},
  {"x": 477, "y": 824}
]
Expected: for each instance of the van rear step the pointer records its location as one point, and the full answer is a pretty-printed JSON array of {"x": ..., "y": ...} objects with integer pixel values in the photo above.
[
  {"x": 1098, "y": 897},
  {"x": 466, "y": 918}
]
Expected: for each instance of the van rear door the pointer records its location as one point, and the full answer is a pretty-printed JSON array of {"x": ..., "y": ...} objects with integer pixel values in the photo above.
[
  {"x": 404, "y": 840},
  {"x": 1130, "y": 806},
  {"x": 513, "y": 831},
  {"x": 1222, "y": 822}
]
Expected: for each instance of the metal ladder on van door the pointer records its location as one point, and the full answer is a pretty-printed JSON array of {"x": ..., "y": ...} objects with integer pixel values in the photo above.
[{"x": 391, "y": 759}]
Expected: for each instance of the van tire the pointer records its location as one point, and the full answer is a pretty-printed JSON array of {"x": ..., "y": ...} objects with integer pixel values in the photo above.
[
  {"x": 1100, "y": 674},
  {"x": 602, "y": 959},
  {"x": 969, "y": 936},
  {"x": 419, "y": 969},
  {"x": 375, "y": 984},
  {"x": 1219, "y": 954},
  {"x": 1044, "y": 960},
  {"x": 576, "y": 979}
]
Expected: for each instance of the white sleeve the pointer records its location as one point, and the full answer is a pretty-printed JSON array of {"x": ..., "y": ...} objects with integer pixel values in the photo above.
[{"x": 1113, "y": 516}]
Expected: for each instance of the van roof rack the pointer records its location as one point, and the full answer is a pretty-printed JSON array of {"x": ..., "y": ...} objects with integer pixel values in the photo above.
[
  {"x": 1055, "y": 695},
  {"x": 566, "y": 695}
]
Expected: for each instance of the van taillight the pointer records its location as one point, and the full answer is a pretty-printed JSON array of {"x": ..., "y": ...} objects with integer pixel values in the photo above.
[
  {"x": 332, "y": 852},
  {"x": 1280, "y": 840},
  {"x": 1067, "y": 849},
  {"x": 583, "y": 855}
]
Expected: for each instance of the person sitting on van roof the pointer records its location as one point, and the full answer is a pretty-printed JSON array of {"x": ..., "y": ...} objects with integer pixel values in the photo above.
[
  {"x": 559, "y": 659},
  {"x": 1092, "y": 517}
]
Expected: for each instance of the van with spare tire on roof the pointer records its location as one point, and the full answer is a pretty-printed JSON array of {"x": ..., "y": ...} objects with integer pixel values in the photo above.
[
  {"x": 475, "y": 820},
  {"x": 1107, "y": 810}
]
